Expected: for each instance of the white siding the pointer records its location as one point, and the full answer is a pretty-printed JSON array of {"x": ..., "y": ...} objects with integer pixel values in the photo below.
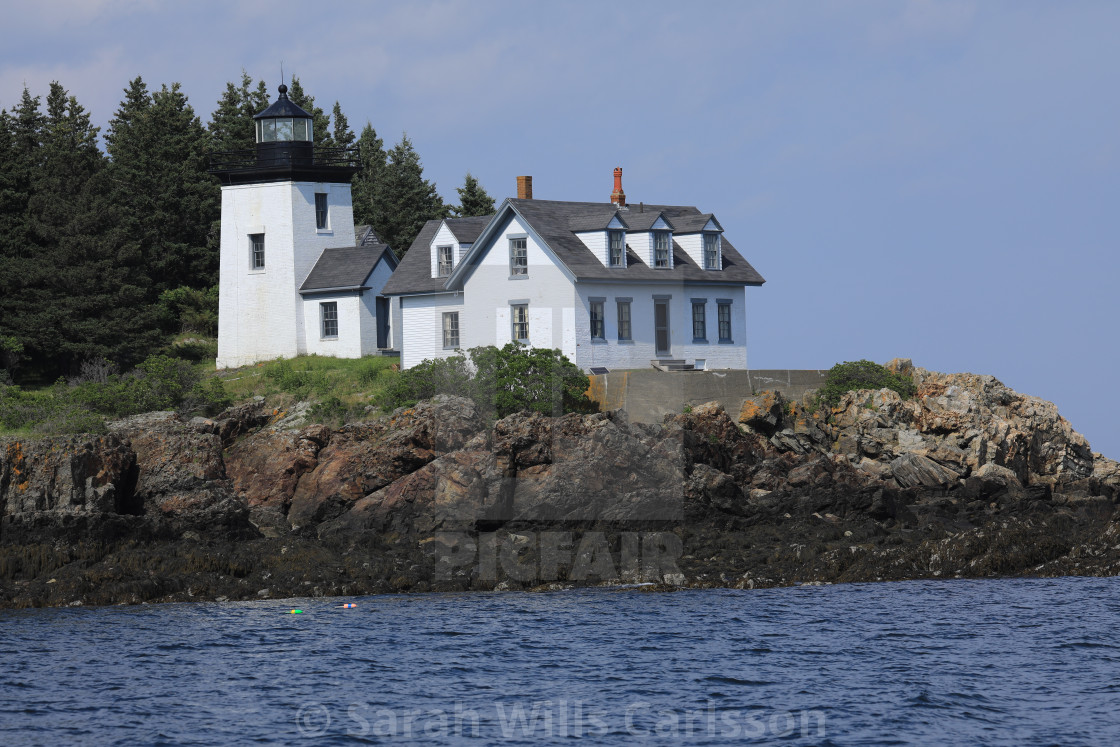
[
  {"x": 351, "y": 323},
  {"x": 597, "y": 242},
  {"x": 693, "y": 245},
  {"x": 489, "y": 291},
  {"x": 422, "y": 327},
  {"x": 443, "y": 237},
  {"x": 638, "y": 353},
  {"x": 260, "y": 311}
]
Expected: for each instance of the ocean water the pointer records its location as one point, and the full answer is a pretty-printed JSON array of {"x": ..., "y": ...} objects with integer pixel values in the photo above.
[{"x": 1014, "y": 662}]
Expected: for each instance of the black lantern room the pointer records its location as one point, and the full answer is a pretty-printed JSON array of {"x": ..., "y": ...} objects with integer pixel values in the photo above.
[
  {"x": 284, "y": 122},
  {"x": 285, "y": 150}
]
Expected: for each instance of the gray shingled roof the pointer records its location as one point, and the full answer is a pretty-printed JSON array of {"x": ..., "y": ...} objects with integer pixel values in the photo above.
[
  {"x": 414, "y": 274},
  {"x": 466, "y": 230},
  {"x": 643, "y": 218},
  {"x": 596, "y": 220},
  {"x": 553, "y": 221},
  {"x": 692, "y": 223},
  {"x": 346, "y": 268},
  {"x": 366, "y": 236}
]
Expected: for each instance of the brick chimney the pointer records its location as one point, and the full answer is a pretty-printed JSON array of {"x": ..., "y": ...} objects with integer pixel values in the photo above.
[
  {"x": 524, "y": 187},
  {"x": 618, "y": 197}
]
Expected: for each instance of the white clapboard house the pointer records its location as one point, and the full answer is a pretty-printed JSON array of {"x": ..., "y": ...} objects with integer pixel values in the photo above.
[
  {"x": 610, "y": 284},
  {"x": 295, "y": 276}
]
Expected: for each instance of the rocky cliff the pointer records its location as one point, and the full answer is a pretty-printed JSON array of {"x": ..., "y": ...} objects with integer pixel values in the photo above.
[{"x": 967, "y": 479}]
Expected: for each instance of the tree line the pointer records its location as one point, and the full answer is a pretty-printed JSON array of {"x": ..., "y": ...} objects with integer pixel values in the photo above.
[{"x": 112, "y": 253}]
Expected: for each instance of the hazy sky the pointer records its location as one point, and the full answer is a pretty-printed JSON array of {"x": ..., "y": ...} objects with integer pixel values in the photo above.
[{"x": 933, "y": 180}]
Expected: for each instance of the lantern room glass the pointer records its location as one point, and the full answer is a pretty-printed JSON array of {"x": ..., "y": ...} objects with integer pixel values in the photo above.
[{"x": 284, "y": 129}]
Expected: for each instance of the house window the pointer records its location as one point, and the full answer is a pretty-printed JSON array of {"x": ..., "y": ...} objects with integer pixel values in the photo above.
[
  {"x": 724, "y": 311},
  {"x": 518, "y": 257},
  {"x": 661, "y": 249},
  {"x": 445, "y": 260},
  {"x": 320, "y": 210},
  {"x": 624, "y": 320},
  {"x": 598, "y": 325},
  {"x": 699, "y": 322},
  {"x": 328, "y": 313},
  {"x": 519, "y": 315},
  {"x": 450, "y": 330},
  {"x": 256, "y": 244},
  {"x": 711, "y": 251},
  {"x": 618, "y": 248}
]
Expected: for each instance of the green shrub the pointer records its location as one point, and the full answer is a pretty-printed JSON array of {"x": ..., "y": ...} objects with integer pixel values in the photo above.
[
  {"x": 191, "y": 310},
  {"x": 854, "y": 375},
  {"x": 194, "y": 350},
  {"x": 501, "y": 381},
  {"x": 83, "y": 404}
]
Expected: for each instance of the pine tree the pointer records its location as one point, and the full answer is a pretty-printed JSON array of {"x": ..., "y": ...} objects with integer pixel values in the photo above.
[
  {"x": 364, "y": 186},
  {"x": 473, "y": 199},
  {"x": 404, "y": 200},
  {"x": 20, "y": 146},
  {"x": 231, "y": 124},
  {"x": 166, "y": 199},
  {"x": 320, "y": 122},
  {"x": 343, "y": 135}
]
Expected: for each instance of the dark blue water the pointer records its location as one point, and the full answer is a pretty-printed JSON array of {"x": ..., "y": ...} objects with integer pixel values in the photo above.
[{"x": 949, "y": 662}]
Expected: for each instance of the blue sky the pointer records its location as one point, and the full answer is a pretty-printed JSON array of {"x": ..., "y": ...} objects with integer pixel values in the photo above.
[{"x": 933, "y": 180}]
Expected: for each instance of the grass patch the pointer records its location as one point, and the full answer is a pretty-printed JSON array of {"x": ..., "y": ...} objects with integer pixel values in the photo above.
[{"x": 341, "y": 388}]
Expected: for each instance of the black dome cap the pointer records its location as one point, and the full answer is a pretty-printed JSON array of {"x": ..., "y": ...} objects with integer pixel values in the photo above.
[{"x": 283, "y": 107}]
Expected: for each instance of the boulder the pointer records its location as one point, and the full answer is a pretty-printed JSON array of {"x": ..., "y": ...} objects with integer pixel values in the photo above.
[
  {"x": 763, "y": 412},
  {"x": 916, "y": 471}
]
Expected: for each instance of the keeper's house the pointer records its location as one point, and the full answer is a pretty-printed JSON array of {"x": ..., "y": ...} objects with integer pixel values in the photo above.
[{"x": 609, "y": 284}]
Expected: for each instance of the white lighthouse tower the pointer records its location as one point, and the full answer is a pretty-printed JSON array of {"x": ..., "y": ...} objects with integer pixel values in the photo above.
[{"x": 284, "y": 204}]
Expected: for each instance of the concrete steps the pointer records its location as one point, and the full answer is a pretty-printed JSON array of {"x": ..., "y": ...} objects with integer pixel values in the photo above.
[{"x": 667, "y": 364}]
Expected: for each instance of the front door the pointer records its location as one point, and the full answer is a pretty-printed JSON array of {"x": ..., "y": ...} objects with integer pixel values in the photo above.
[
  {"x": 382, "y": 322},
  {"x": 661, "y": 327}
]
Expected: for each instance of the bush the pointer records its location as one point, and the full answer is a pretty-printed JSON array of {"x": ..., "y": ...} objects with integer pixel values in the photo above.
[
  {"x": 854, "y": 375},
  {"x": 98, "y": 392},
  {"x": 500, "y": 381}
]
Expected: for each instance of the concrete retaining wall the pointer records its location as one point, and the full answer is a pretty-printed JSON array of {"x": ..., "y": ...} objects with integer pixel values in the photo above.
[{"x": 648, "y": 395}]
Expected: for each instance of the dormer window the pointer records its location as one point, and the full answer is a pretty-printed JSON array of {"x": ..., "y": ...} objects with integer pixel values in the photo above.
[
  {"x": 661, "y": 243},
  {"x": 446, "y": 261},
  {"x": 617, "y": 243},
  {"x": 711, "y": 251}
]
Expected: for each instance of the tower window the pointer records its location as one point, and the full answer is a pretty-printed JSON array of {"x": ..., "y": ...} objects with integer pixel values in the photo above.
[
  {"x": 320, "y": 210},
  {"x": 256, "y": 244},
  {"x": 328, "y": 313}
]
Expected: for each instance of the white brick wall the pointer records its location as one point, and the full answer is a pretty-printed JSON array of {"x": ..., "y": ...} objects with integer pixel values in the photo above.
[{"x": 260, "y": 314}]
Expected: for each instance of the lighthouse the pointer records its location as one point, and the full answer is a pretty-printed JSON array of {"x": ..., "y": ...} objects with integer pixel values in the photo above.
[{"x": 294, "y": 278}]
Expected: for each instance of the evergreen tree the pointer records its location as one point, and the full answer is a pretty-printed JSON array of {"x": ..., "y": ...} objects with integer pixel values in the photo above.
[
  {"x": 343, "y": 135},
  {"x": 473, "y": 199},
  {"x": 363, "y": 188},
  {"x": 20, "y": 146},
  {"x": 404, "y": 200},
  {"x": 166, "y": 200},
  {"x": 320, "y": 122},
  {"x": 231, "y": 125}
]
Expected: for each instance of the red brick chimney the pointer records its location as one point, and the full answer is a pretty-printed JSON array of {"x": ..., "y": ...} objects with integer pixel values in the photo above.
[
  {"x": 524, "y": 187},
  {"x": 618, "y": 197}
]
